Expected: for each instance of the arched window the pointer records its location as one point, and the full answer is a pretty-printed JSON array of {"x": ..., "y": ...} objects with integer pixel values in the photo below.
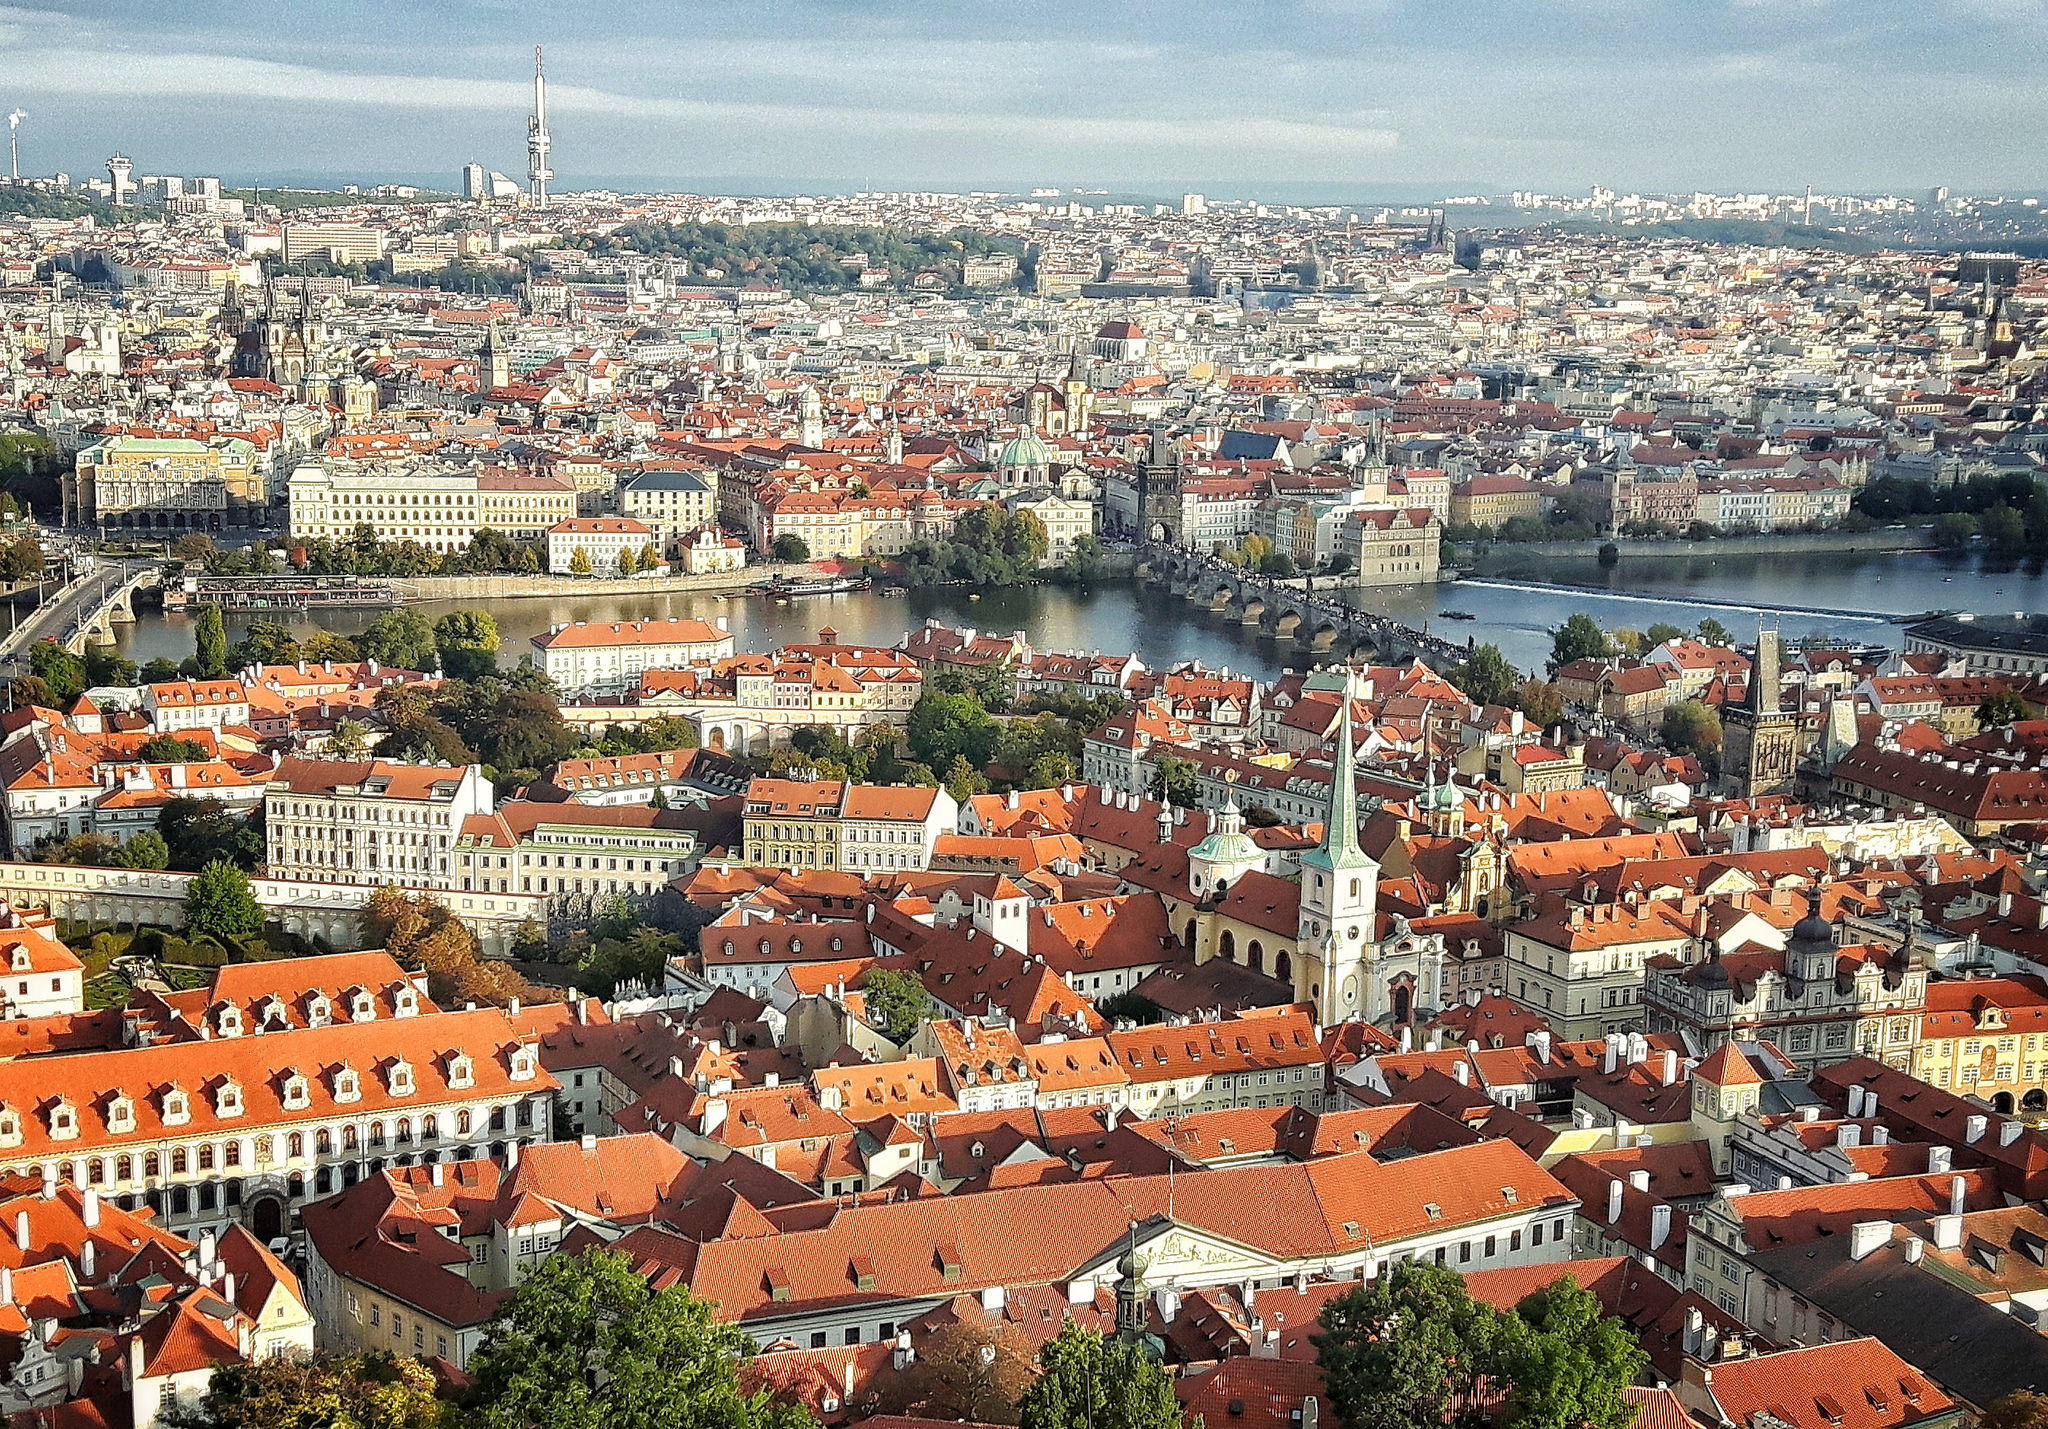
[
  {"x": 1283, "y": 966},
  {"x": 124, "y": 1168},
  {"x": 1226, "y": 946},
  {"x": 181, "y": 1161},
  {"x": 1255, "y": 955}
]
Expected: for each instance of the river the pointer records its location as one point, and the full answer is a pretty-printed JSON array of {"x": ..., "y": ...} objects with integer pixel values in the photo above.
[{"x": 1513, "y": 611}]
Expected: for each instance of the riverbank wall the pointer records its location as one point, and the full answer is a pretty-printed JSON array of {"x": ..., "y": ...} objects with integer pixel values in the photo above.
[
  {"x": 507, "y": 587},
  {"x": 1505, "y": 559}
]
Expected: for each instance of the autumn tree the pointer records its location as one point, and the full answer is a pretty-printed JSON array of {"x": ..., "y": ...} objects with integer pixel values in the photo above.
[{"x": 965, "y": 1371}]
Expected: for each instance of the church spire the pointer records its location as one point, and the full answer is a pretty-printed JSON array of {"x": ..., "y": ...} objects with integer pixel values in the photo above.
[{"x": 1339, "y": 848}]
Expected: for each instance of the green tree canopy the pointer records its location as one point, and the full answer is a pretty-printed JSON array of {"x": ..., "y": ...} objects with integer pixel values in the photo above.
[
  {"x": 220, "y": 903},
  {"x": 210, "y": 643},
  {"x": 342, "y": 1392},
  {"x": 399, "y": 639},
  {"x": 790, "y": 547},
  {"x": 169, "y": 749},
  {"x": 1088, "y": 1380},
  {"x": 1713, "y": 632},
  {"x": 897, "y": 1002},
  {"x": 60, "y": 670},
  {"x": 468, "y": 643},
  {"x": 1486, "y": 677},
  {"x": 943, "y": 727},
  {"x": 1690, "y": 727},
  {"x": 2001, "y": 707},
  {"x": 586, "y": 1343},
  {"x": 145, "y": 850},
  {"x": 1579, "y": 638}
]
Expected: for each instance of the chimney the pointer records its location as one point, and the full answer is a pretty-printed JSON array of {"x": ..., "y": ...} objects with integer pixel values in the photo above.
[
  {"x": 1915, "y": 1247},
  {"x": 1948, "y": 1232},
  {"x": 1668, "y": 1074},
  {"x": 2009, "y": 1131},
  {"x": 1660, "y": 1225},
  {"x": 1867, "y": 1236},
  {"x": 1855, "y": 1100},
  {"x": 207, "y": 1248},
  {"x": 1973, "y": 1130},
  {"x": 436, "y": 1174},
  {"x": 1940, "y": 1159},
  {"x": 49, "y": 1180},
  {"x": 1639, "y": 1180},
  {"x": 713, "y": 1117},
  {"x": 1613, "y": 1202},
  {"x": 1848, "y": 1136},
  {"x": 1870, "y": 1103},
  {"x": 1462, "y": 1072},
  {"x": 1958, "y": 1195},
  {"x": 1695, "y": 1330},
  {"x": 88, "y": 1258},
  {"x": 1539, "y": 1043},
  {"x": 92, "y": 1208}
]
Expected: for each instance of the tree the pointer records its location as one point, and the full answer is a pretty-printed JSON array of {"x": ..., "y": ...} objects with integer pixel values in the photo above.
[
  {"x": 210, "y": 643},
  {"x": 1487, "y": 678},
  {"x": 1628, "y": 641},
  {"x": 1566, "y": 1363},
  {"x": 579, "y": 562},
  {"x": 1660, "y": 632},
  {"x": 965, "y": 1371},
  {"x": 350, "y": 739},
  {"x": 2019, "y": 1409},
  {"x": 467, "y": 641},
  {"x": 1953, "y": 531},
  {"x": 587, "y": 1343},
  {"x": 59, "y": 669},
  {"x": 1610, "y": 556},
  {"x": 202, "y": 831},
  {"x": 344, "y": 1392},
  {"x": 1406, "y": 1348},
  {"x": 145, "y": 850},
  {"x": 2005, "y": 531},
  {"x": 265, "y": 642},
  {"x": 220, "y": 903},
  {"x": 420, "y": 930},
  {"x": 1579, "y": 638},
  {"x": 323, "y": 645},
  {"x": 790, "y": 547},
  {"x": 401, "y": 640},
  {"x": 1713, "y": 632},
  {"x": 963, "y": 780},
  {"x": 1278, "y": 564},
  {"x": 897, "y": 1002},
  {"x": 169, "y": 749},
  {"x": 1690, "y": 727},
  {"x": 2001, "y": 707},
  {"x": 1089, "y": 1381},
  {"x": 104, "y": 665},
  {"x": 650, "y": 558},
  {"x": 1541, "y": 702},
  {"x": 1173, "y": 781},
  {"x": 943, "y": 727},
  {"x": 629, "y": 561}
]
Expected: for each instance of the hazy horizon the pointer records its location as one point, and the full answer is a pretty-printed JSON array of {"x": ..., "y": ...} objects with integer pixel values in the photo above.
[{"x": 1364, "y": 97}]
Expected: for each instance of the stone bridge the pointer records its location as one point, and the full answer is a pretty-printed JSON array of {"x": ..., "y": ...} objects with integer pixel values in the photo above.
[
  {"x": 1291, "y": 609},
  {"x": 115, "y": 604}
]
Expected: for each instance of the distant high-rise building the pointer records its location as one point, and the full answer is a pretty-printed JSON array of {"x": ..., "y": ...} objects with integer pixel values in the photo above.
[
  {"x": 120, "y": 170},
  {"x": 475, "y": 182},
  {"x": 1937, "y": 196},
  {"x": 1192, "y": 204},
  {"x": 538, "y": 140}
]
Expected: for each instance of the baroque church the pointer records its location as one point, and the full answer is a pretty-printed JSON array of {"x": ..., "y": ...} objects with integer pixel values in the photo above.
[{"x": 1322, "y": 934}]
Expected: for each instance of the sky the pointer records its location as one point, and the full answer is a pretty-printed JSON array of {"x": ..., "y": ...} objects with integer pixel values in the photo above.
[{"x": 1347, "y": 97}]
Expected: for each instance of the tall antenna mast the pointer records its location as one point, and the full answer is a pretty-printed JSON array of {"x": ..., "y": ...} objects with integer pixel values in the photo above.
[
  {"x": 14, "y": 153},
  {"x": 538, "y": 140}
]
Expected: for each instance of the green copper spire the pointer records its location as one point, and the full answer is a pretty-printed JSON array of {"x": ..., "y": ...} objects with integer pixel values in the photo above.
[{"x": 1339, "y": 848}]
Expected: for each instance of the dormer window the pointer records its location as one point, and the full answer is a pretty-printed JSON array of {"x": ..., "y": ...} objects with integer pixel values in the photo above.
[
  {"x": 523, "y": 1064},
  {"x": 227, "y": 1101},
  {"x": 177, "y": 1107},
  {"x": 348, "y": 1087},
  {"x": 319, "y": 1012},
  {"x": 298, "y": 1093},
  {"x": 461, "y": 1072},
  {"x": 406, "y": 1002},
  {"x": 399, "y": 1078},
  {"x": 21, "y": 962},
  {"x": 10, "y": 1126},
  {"x": 362, "y": 1007},
  {"x": 63, "y": 1121},
  {"x": 120, "y": 1115},
  {"x": 228, "y": 1021}
]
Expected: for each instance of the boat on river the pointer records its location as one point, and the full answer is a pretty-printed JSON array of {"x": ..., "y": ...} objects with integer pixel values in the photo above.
[{"x": 834, "y": 585}]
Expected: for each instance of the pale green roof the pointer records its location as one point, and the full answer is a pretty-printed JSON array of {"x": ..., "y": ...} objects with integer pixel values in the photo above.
[{"x": 1025, "y": 449}]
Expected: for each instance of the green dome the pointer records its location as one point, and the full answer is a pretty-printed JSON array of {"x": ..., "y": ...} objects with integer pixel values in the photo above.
[{"x": 1025, "y": 450}]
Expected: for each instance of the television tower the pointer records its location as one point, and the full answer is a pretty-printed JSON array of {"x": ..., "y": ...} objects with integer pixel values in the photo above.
[
  {"x": 13, "y": 152},
  {"x": 538, "y": 141}
]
